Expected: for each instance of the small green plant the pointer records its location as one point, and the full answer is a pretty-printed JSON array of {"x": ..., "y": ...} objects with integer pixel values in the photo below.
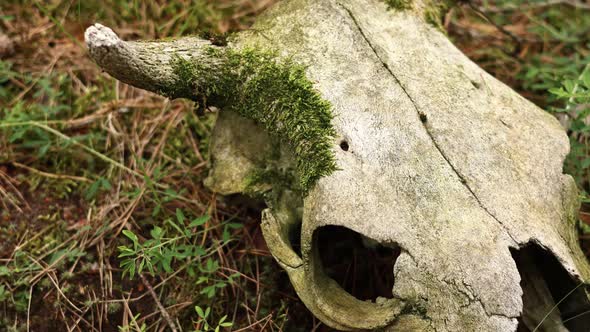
[
  {"x": 101, "y": 184},
  {"x": 157, "y": 254},
  {"x": 176, "y": 245},
  {"x": 576, "y": 111},
  {"x": 203, "y": 324},
  {"x": 3, "y": 293}
]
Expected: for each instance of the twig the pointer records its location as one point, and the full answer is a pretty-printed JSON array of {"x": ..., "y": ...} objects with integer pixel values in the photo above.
[
  {"x": 50, "y": 175},
  {"x": 159, "y": 304},
  {"x": 4, "y": 192},
  {"x": 248, "y": 328},
  {"x": 130, "y": 314},
  {"x": 29, "y": 308},
  {"x": 180, "y": 306},
  {"x": 522, "y": 7},
  {"x": 53, "y": 281},
  {"x": 500, "y": 28},
  {"x": 59, "y": 25},
  {"x": 106, "y": 109}
]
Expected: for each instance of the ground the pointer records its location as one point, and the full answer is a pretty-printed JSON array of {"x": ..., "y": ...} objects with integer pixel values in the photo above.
[{"x": 104, "y": 222}]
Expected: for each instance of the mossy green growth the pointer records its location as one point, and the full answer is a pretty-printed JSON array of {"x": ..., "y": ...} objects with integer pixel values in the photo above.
[
  {"x": 273, "y": 92},
  {"x": 435, "y": 11},
  {"x": 399, "y": 4},
  {"x": 273, "y": 177}
]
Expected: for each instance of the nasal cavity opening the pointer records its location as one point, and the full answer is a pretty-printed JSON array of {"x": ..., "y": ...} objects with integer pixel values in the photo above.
[
  {"x": 552, "y": 299},
  {"x": 361, "y": 266}
]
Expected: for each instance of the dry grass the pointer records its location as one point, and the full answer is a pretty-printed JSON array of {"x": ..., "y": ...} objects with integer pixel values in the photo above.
[
  {"x": 59, "y": 244},
  {"x": 91, "y": 158}
]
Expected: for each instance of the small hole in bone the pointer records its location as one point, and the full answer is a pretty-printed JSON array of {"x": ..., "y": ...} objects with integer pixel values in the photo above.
[
  {"x": 544, "y": 283},
  {"x": 344, "y": 145},
  {"x": 361, "y": 266}
]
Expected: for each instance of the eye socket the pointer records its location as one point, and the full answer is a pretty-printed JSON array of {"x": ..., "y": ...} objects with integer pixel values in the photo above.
[{"x": 344, "y": 145}]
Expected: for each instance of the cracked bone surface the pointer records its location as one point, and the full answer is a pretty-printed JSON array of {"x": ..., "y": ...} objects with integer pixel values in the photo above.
[{"x": 442, "y": 161}]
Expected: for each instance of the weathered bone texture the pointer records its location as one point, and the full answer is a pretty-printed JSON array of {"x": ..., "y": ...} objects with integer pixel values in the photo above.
[
  {"x": 143, "y": 64},
  {"x": 445, "y": 162}
]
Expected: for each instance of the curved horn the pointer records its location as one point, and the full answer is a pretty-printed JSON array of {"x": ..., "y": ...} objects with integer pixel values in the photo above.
[{"x": 147, "y": 65}]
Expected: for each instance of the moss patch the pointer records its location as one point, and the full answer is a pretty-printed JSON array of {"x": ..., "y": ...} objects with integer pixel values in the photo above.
[
  {"x": 273, "y": 178},
  {"x": 433, "y": 10},
  {"x": 273, "y": 92},
  {"x": 399, "y": 4}
]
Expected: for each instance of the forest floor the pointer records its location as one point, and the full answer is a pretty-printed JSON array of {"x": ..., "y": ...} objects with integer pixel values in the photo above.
[{"x": 104, "y": 222}]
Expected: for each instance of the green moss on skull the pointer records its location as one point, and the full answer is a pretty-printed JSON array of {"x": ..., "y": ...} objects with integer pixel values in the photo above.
[
  {"x": 399, "y": 4},
  {"x": 274, "y": 177},
  {"x": 268, "y": 183},
  {"x": 273, "y": 92},
  {"x": 433, "y": 11}
]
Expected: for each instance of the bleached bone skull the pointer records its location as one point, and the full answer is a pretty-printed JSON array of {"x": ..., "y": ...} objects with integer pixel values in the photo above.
[{"x": 435, "y": 158}]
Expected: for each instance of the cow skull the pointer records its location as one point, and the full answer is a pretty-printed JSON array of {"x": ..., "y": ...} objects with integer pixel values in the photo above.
[{"x": 458, "y": 176}]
